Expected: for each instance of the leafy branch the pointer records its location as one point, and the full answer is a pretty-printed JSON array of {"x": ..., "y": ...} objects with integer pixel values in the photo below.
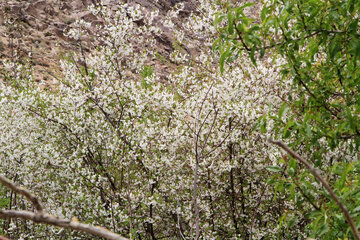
[{"x": 315, "y": 172}]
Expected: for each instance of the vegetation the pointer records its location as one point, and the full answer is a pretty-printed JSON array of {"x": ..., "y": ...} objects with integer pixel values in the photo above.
[
  {"x": 319, "y": 42},
  {"x": 114, "y": 145}
]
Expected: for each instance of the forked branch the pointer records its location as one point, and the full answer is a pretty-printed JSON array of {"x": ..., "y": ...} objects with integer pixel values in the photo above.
[
  {"x": 325, "y": 184},
  {"x": 42, "y": 217},
  {"x": 9, "y": 184}
]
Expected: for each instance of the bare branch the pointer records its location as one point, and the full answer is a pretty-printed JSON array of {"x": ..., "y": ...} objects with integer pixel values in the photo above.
[
  {"x": 9, "y": 184},
  {"x": 325, "y": 184},
  {"x": 42, "y": 217},
  {"x": 197, "y": 158},
  {"x": 60, "y": 222}
]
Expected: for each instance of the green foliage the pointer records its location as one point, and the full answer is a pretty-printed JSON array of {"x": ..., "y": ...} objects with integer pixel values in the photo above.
[
  {"x": 4, "y": 199},
  {"x": 4, "y": 203},
  {"x": 146, "y": 72},
  {"x": 319, "y": 42},
  {"x": 239, "y": 34}
]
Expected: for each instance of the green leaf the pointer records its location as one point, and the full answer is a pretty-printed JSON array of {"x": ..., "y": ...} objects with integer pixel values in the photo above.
[
  {"x": 307, "y": 130},
  {"x": 351, "y": 6},
  {"x": 262, "y": 52},
  {"x": 322, "y": 230},
  {"x": 355, "y": 49},
  {"x": 230, "y": 22},
  {"x": 218, "y": 19},
  {"x": 216, "y": 44},
  {"x": 353, "y": 26},
  {"x": 222, "y": 62},
  {"x": 292, "y": 192},
  {"x": 282, "y": 110},
  {"x": 357, "y": 209},
  {"x": 292, "y": 222},
  {"x": 241, "y": 28},
  {"x": 334, "y": 47},
  {"x": 254, "y": 28},
  {"x": 274, "y": 169},
  {"x": 263, "y": 13},
  {"x": 292, "y": 168},
  {"x": 286, "y": 132},
  {"x": 341, "y": 182},
  {"x": 223, "y": 56},
  {"x": 313, "y": 214},
  {"x": 252, "y": 55},
  {"x": 313, "y": 49},
  {"x": 239, "y": 9},
  {"x": 282, "y": 220},
  {"x": 4, "y": 202},
  {"x": 263, "y": 126}
]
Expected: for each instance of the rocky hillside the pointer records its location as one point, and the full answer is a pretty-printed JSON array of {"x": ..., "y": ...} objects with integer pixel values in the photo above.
[{"x": 36, "y": 29}]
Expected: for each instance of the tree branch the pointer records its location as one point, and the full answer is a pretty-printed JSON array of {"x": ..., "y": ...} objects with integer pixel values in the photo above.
[
  {"x": 317, "y": 175},
  {"x": 29, "y": 196},
  {"x": 42, "y": 217},
  {"x": 60, "y": 222}
]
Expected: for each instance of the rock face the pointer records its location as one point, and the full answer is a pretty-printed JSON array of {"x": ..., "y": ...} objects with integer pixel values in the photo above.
[{"x": 36, "y": 28}]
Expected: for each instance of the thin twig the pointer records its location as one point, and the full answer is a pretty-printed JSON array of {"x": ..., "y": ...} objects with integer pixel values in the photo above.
[
  {"x": 325, "y": 184},
  {"x": 197, "y": 158}
]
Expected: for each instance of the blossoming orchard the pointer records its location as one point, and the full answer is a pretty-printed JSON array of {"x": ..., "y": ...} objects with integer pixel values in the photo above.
[{"x": 252, "y": 133}]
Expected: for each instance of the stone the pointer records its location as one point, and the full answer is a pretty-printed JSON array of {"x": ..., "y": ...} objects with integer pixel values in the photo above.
[
  {"x": 88, "y": 17},
  {"x": 36, "y": 8}
]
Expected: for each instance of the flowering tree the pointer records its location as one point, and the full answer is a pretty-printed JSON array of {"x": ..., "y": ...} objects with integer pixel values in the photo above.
[{"x": 115, "y": 144}]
